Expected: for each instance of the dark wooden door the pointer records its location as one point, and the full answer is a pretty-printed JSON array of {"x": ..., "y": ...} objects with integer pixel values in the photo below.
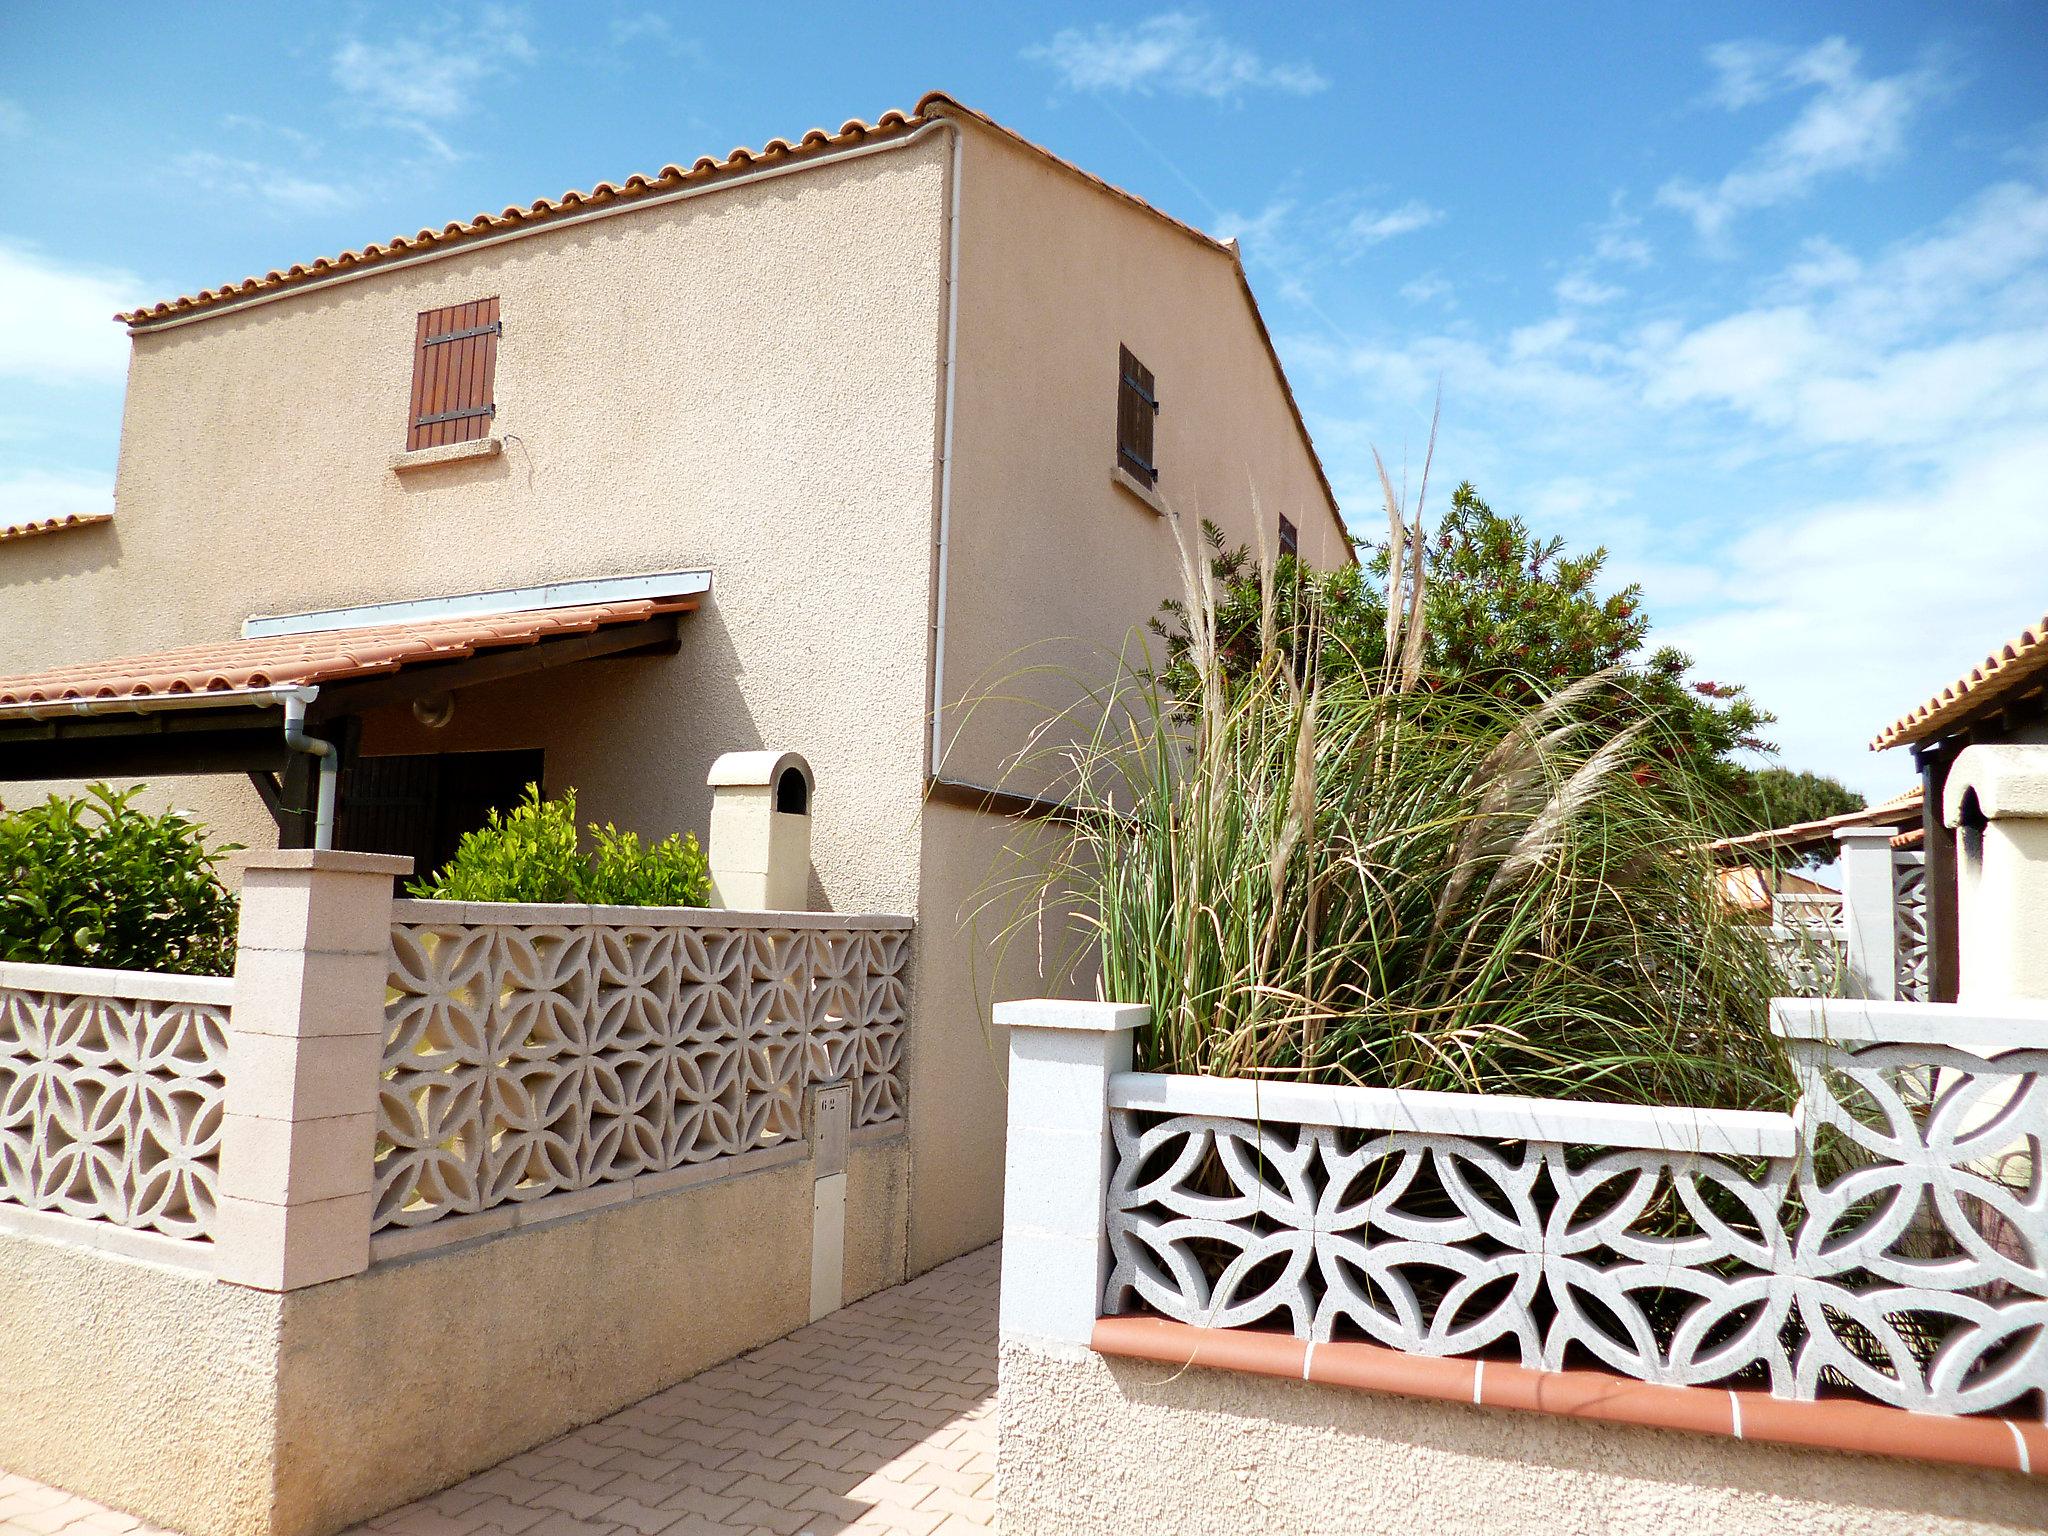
[{"x": 421, "y": 805}]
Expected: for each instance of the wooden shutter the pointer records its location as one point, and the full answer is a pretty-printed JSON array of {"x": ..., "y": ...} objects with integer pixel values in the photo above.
[
  {"x": 1290, "y": 539},
  {"x": 1137, "y": 406},
  {"x": 454, "y": 375}
]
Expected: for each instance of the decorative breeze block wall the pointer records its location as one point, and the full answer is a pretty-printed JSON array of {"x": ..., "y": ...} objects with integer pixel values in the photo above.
[
  {"x": 1900, "y": 1251},
  {"x": 527, "y": 1058},
  {"x": 111, "y": 1085}
]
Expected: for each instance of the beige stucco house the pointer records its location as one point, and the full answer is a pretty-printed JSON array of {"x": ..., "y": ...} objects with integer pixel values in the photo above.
[{"x": 802, "y": 448}]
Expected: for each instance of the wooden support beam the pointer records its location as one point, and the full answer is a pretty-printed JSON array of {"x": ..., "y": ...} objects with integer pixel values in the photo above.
[
  {"x": 144, "y": 756},
  {"x": 653, "y": 636}
]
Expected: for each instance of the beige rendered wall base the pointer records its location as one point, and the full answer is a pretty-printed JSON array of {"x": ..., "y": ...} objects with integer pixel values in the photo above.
[
  {"x": 224, "y": 1411},
  {"x": 148, "y": 1388},
  {"x": 1090, "y": 1444}
]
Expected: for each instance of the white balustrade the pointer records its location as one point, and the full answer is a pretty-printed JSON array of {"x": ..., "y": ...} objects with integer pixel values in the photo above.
[{"x": 1887, "y": 1237}]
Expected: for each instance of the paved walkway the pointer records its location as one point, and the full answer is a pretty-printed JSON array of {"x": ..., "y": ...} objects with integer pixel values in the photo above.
[{"x": 878, "y": 1419}]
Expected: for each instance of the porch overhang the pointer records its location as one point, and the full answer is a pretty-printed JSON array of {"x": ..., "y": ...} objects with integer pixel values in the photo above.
[{"x": 218, "y": 708}]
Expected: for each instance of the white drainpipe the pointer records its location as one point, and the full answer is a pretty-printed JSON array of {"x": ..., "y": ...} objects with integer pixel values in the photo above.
[
  {"x": 296, "y": 738},
  {"x": 946, "y": 451}
]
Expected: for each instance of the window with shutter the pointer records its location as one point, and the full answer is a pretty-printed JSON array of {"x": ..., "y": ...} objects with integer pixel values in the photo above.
[
  {"x": 454, "y": 375},
  {"x": 1290, "y": 538},
  {"x": 1137, "y": 407}
]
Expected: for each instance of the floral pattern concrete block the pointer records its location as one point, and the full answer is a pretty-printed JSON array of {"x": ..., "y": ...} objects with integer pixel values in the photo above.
[
  {"x": 1909, "y": 891},
  {"x": 1903, "y": 1252},
  {"x": 110, "y": 1105},
  {"x": 525, "y": 1059}
]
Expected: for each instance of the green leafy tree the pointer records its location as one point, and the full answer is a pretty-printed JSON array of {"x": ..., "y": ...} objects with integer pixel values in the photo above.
[
  {"x": 95, "y": 880},
  {"x": 533, "y": 853},
  {"x": 1508, "y": 616},
  {"x": 1786, "y": 797}
]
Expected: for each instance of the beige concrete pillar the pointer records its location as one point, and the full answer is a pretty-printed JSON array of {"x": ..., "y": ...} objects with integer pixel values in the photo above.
[
  {"x": 305, "y": 1049},
  {"x": 760, "y": 832},
  {"x": 1996, "y": 804}
]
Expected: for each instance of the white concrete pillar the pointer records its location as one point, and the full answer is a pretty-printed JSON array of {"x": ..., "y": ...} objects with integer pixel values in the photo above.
[
  {"x": 1869, "y": 913},
  {"x": 305, "y": 1052},
  {"x": 1058, "y": 1163},
  {"x": 1996, "y": 804},
  {"x": 760, "y": 833}
]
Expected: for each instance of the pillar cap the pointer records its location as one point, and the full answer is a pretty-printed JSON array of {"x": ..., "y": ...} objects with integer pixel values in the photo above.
[
  {"x": 1866, "y": 835},
  {"x": 328, "y": 860},
  {"x": 2007, "y": 780},
  {"x": 1062, "y": 1013},
  {"x": 757, "y": 769}
]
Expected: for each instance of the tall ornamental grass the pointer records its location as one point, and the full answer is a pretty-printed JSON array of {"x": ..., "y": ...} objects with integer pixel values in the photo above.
[{"x": 1322, "y": 871}]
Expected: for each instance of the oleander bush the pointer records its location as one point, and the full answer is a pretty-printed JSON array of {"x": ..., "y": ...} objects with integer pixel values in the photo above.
[
  {"x": 96, "y": 880},
  {"x": 533, "y": 852}
]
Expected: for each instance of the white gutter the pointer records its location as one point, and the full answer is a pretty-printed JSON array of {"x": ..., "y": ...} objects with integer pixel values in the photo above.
[
  {"x": 538, "y": 225},
  {"x": 296, "y": 738},
  {"x": 149, "y": 703},
  {"x": 937, "y": 746}
]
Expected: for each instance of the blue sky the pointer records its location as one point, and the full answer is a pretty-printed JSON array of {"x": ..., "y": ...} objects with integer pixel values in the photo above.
[{"x": 1757, "y": 296}]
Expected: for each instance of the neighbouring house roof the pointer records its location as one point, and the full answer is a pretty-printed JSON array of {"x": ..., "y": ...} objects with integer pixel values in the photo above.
[
  {"x": 1746, "y": 888},
  {"x": 816, "y": 145},
  {"x": 2020, "y": 661},
  {"x": 29, "y": 530},
  {"x": 1902, "y": 810},
  {"x": 237, "y": 671}
]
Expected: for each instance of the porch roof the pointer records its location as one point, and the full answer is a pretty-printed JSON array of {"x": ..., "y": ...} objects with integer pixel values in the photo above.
[
  {"x": 2015, "y": 668},
  {"x": 1902, "y": 810},
  {"x": 216, "y": 708},
  {"x": 265, "y": 668}
]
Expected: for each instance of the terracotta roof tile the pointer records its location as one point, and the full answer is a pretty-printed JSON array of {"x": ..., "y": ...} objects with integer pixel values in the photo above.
[
  {"x": 1901, "y": 810},
  {"x": 54, "y": 524},
  {"x": 232, "y": 667},
  {"x": 2020, "y": 660},
  {"x": 668, "y": 178}
]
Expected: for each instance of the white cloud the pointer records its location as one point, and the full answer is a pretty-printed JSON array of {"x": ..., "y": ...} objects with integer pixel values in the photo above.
[
  {"x": 1583, "y": 291},
  {"x": 1848, "y": 615},
  {"x": 1429, "y": 287},
  {"x": 1850, "y": 123},
  {"x": 31, "y": 495},
  {"x": 652, "y": 30},
  {"x": 430, "y": 75},
  {"x": 57, "y": 320},
  {"x": 1370, "y": 226},
  {"x": 1920, "y": 351},
  {"x": 254, "y": 181},
  {"x": 1176, "y": 52}
]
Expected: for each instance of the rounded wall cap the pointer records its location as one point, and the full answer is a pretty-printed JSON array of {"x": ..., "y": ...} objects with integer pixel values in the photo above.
[
  {"x": 2007, "y": 781},
  {"x": 757, "y": 770}
]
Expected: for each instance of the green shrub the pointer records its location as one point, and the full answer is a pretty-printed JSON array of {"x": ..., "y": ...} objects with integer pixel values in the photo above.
[
  {"x": 671, "y": 873},
  {"x": 93, "y": 880},
  {"x": 531, "y": 853}
]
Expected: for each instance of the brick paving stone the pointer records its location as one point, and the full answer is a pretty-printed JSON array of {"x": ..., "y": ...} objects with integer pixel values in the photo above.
[{"x": 876, "y": 1421}]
